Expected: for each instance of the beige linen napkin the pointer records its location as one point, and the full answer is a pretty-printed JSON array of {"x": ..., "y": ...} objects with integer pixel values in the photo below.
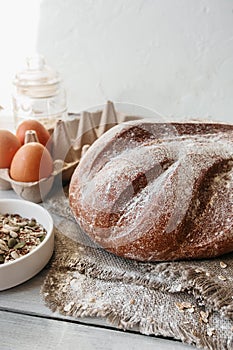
[{"x": 191, "y": 301}]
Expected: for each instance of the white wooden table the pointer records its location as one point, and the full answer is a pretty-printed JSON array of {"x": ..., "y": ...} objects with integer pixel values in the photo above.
[{"x": 27, "y": 324}]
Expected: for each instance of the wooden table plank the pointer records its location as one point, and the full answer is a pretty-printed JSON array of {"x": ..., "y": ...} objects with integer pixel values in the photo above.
[{"x": 29, "y": 332}]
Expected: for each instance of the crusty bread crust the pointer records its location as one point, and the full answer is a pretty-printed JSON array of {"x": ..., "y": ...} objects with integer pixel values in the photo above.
[{"x": 158, "y": 191}]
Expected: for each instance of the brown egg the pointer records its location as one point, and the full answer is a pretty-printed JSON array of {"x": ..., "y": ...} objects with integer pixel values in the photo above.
[
  {"x": 9, "y": 145},
  {"x": 31, "y": 162},
  {"x": 31, "y": 124}
]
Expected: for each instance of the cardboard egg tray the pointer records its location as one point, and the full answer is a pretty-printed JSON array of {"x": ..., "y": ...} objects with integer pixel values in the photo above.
[{"x": 70, "y": 140}]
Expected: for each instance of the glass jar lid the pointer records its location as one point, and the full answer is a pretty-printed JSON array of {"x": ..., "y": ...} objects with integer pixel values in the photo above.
[{"x": 38, "y": 79}]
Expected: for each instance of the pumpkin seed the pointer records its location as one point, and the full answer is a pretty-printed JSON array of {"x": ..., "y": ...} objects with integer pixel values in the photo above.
[
  {"x": 12, "y": 242},
  {"x": 32, "y": 223},
  {"x": 42, "y": 238},
  {"x": 19, "y": 245}
]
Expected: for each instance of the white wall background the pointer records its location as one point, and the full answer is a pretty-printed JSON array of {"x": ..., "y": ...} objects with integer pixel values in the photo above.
[
  {"x": 18, "y": 39},
  {"x": 175, "y": 56}
]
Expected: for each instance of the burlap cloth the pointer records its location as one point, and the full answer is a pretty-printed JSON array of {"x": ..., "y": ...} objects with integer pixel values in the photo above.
[{"x": 191, "y": 301}]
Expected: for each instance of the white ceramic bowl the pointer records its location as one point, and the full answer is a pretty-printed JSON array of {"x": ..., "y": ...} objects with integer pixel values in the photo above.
[{"x": 20, "y": 270}]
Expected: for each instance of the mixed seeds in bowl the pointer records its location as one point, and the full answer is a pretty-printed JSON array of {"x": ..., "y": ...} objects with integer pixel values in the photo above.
[{"x": 18, "y": 236}]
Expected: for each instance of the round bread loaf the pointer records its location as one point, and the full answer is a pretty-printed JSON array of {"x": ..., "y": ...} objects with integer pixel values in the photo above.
[{"x": 158, "y": 191}]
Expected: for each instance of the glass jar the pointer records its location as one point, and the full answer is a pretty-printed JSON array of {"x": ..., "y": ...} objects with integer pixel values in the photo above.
[{"x": 39, "y": 93}]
